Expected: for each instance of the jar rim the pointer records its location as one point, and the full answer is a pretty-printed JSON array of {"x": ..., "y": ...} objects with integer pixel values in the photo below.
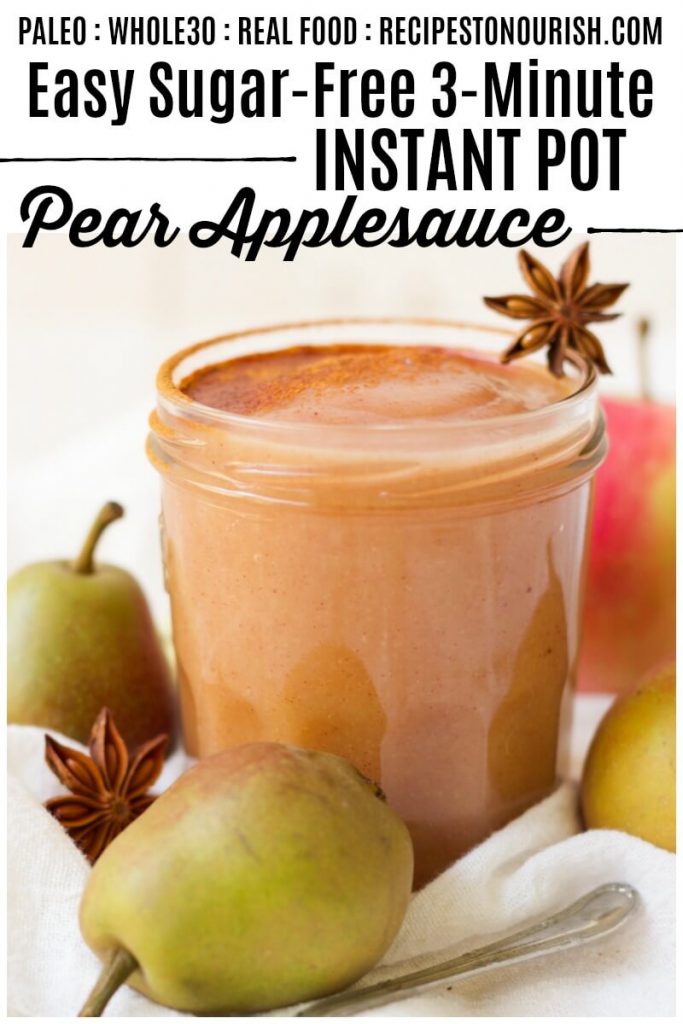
[{"x": 175, "y": 400}]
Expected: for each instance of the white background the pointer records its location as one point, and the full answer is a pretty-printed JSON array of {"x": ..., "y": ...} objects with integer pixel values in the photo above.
[{"x": 650, "y": 193}]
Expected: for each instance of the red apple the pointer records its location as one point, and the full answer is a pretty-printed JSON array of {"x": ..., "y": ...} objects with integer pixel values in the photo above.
[{"x": 630, "y": 612}]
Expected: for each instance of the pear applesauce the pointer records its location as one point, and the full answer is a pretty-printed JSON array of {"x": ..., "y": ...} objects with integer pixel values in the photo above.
[{"x": 374, "y": 538}]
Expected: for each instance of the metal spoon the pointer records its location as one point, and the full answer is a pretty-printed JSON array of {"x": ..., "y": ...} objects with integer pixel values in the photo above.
[{"x": 592, "y": 916}]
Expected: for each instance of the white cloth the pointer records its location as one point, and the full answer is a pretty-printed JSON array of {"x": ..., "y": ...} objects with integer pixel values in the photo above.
[{"x": 535, "y": 865}]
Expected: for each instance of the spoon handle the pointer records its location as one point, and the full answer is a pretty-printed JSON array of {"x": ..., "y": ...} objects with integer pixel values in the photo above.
[{"x": 595, "y": 914}]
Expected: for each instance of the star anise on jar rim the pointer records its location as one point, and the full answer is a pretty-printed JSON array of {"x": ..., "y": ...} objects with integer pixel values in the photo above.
[
  {"x": 558, "y": 311},
  {"x": 108, "y": 789}
]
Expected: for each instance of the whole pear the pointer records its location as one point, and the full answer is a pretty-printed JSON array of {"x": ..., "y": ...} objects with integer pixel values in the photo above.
[
  {"x": 629, "y": 778},
  {"x": 266, "y": 875},
  {"x": 80, "y": 637}
]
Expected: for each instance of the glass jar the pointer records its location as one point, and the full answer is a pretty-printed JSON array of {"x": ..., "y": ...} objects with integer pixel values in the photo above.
[{"x": 406, "y": 595}]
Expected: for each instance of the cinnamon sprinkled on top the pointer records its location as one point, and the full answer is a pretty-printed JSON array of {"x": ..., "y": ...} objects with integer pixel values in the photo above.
[{"x": 372, "y": 384}]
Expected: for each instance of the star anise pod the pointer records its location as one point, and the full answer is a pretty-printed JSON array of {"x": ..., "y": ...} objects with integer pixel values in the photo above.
[
  {"x": 558, "y": 310},
  {"x": 108, "y": 789}
]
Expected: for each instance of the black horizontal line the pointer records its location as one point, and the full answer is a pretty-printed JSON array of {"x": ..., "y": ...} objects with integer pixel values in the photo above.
[
  {"x": 145, "y": 159},
  {"x": 635, "y": 231},
  {"x": 469, "y": 92}
]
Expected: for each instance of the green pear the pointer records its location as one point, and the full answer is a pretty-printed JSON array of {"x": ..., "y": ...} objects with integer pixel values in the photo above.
[
  {"x": 265, "y": 876},
  {"x": 629, "y": 779},
  {"x": 80, "y": 637}
]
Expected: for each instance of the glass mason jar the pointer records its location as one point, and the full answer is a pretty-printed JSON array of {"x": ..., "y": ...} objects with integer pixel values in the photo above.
[{"x": 406, "y": 595}]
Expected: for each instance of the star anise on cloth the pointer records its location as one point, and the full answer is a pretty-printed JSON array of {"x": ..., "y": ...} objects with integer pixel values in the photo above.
[
  {"x": 558, "y": 310},
  {"x": 108, "y": 788}
]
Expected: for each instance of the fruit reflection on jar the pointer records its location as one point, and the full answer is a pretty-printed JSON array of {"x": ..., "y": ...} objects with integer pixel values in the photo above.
[{"x": 375, "y": 543}]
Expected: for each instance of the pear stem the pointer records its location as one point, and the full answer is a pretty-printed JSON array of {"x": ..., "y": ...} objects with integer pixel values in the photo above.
[
  {"x": 116, "y": 970},
  {"x": 643, "y": 329},
  {"x": 108, "y": 513}
]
